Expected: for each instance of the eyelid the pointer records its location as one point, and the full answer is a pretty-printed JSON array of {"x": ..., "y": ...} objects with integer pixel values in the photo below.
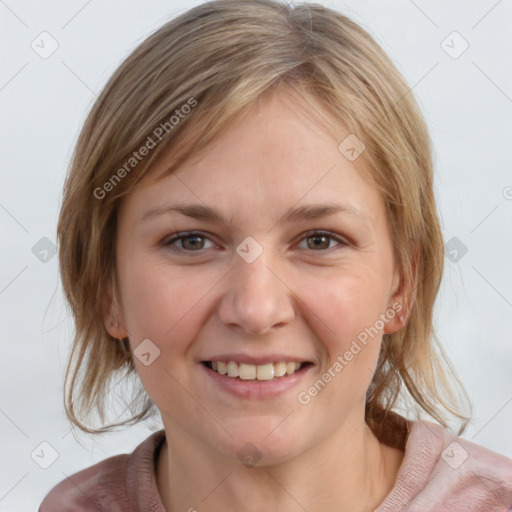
[
  {"x": 330, "y": 234},
  {"x": 185, "y": 234},
  {"x": 167, "y": 241}
]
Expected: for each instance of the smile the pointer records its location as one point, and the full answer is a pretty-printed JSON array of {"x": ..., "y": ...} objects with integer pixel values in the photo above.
[{"x": 246, "y": 371}]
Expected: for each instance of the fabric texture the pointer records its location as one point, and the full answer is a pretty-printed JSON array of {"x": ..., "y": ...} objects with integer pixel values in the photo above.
[{"x": 439, "y": 473}]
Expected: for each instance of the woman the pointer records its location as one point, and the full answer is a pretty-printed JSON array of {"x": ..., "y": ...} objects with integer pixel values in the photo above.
[{"x": 249, "y": 228}]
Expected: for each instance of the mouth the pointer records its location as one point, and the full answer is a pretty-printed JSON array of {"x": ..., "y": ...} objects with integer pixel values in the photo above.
[{"x": 256, "y": 372}]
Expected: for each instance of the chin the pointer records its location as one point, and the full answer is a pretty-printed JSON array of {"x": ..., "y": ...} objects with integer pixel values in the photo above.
[{"x": 260, "y": 441}]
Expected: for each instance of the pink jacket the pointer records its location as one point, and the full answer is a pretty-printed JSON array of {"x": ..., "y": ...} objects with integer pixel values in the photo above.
[{"x": 439, "y": 473}]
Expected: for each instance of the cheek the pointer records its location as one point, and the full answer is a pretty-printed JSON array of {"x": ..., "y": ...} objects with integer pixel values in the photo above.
[
  {"x": 345, "y": 307},
  {"x": 165, "y": 304},
  {"x": 346, "y": 304},
  {"x": 346, "y": 310}
]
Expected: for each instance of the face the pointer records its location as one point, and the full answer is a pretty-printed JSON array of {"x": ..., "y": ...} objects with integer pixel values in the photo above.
[{"x": 258, "y": 287}]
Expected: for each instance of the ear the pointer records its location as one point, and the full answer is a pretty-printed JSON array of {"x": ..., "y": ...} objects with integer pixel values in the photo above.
[
  {"x": 113, "y": 318},
  {"x": 402, "y": 297}
]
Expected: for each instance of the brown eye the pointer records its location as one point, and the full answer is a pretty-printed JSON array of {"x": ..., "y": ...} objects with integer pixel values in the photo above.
[
  {"x": 192, "y": 242},
  {"x": 187, "y": 242},
  {"x": 321, "y": 241},
  {"x": 318, "y": 242}
]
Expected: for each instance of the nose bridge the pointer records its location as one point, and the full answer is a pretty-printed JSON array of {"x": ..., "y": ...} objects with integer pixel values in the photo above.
[
  {"x": 256, "y": 299},
  {"x": 256, "y": 275}
]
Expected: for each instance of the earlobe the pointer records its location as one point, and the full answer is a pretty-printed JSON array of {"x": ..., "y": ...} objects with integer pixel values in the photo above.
[
  {"x": 397, "y": 313},
  {"x": 398, "y": 321},
  {"x": 402, "y": 299},
  {"x": 112, "y": 317}
]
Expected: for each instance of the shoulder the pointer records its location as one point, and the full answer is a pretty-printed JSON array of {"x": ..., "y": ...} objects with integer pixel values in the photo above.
[
  {"x": 82, "y": 490},
  {"x": 444, "y": 472},
  {"x": 111, "y": 484}
]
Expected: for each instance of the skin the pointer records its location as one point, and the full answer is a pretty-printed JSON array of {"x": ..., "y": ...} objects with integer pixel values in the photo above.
[{"x": 296, "y": 299}]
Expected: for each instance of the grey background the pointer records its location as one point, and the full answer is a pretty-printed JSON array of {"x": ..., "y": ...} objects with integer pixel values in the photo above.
[{"x": 468, "y": 106}]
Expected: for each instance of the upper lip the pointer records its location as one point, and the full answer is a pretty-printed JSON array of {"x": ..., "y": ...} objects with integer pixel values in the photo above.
[{"x": 257, "y": 360}]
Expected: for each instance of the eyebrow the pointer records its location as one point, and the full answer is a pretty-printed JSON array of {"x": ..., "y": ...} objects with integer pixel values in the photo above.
[{"x": 311, "y": 211}]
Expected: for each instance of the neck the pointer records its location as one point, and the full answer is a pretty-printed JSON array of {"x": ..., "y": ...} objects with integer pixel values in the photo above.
[{"x": 349, "y": 471}]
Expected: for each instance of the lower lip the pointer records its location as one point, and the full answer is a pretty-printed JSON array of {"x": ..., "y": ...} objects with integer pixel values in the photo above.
[{"x": 257, "y": 389}]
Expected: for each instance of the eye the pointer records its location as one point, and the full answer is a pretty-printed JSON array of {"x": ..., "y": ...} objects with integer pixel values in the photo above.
[
  {"x": 194, "y": 242},
  {"x": 321, "y": 240},
  {"x": 189, "y": 242}
]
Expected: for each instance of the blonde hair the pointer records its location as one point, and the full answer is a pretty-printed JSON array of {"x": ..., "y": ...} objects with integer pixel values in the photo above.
[{"x": 218, "y": 59}]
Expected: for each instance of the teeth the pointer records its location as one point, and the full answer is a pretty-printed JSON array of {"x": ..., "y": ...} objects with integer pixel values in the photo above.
[
  {"x": 265, "y": 371},
  {"x": 232, "y": 369},
  {"x": 290, "y": 368},
  {"x": 245, "y": 371},
  {"x": 279, "y": 369}
]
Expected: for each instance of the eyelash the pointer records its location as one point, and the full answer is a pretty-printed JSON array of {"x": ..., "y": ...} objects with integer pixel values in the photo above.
[{"x": 189, "y": 234}]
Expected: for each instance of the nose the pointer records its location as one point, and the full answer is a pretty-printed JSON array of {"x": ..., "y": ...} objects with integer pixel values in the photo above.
[{"x": 256, "y": 298}]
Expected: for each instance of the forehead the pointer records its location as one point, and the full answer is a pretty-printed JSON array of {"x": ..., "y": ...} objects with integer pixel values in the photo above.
[
  {"x": 285, "y": 118},
  {"x": 281, "y": 151}
]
